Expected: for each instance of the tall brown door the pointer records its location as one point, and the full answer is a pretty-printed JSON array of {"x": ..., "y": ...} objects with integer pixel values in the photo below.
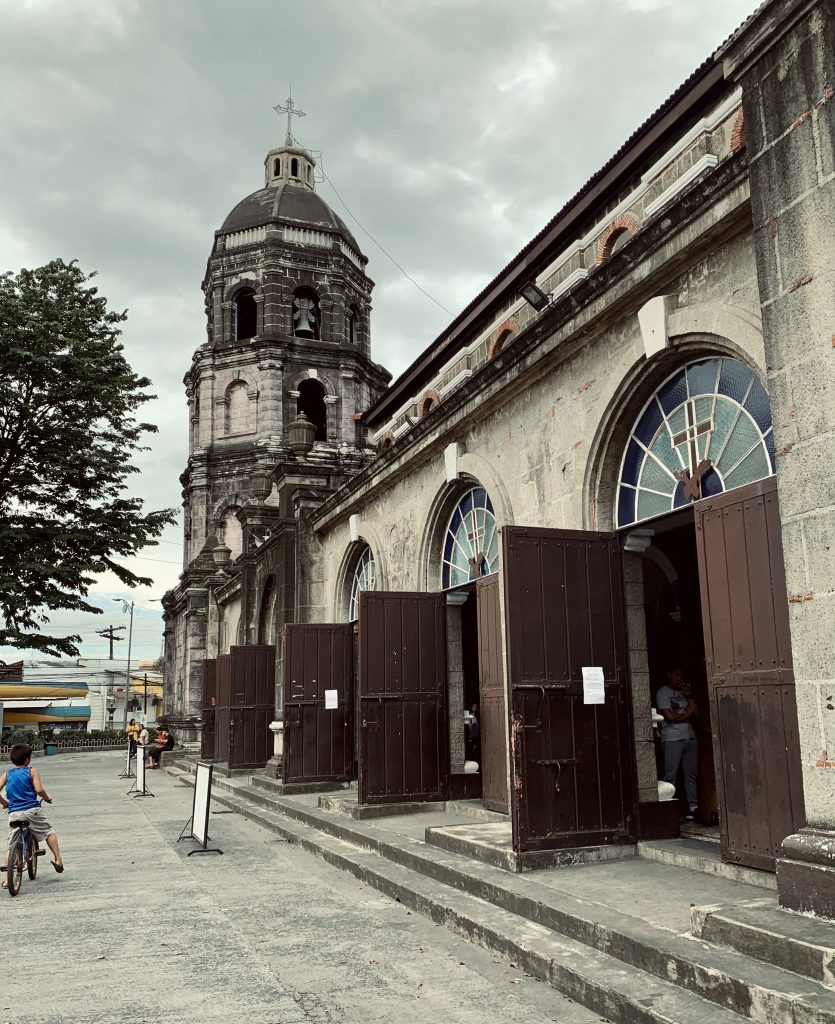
[
  {"x": 402, "y": 687},
  {"x": 750, "y": 675},
  {"x": 207, "y": 732},
  {"x": 491, "y": 691},
  {"x": 223, "y": 682},
  {"x": 251, "y": 705},
  {"x": 318, "y": 700},
  {"x": 573, "y": 762}
]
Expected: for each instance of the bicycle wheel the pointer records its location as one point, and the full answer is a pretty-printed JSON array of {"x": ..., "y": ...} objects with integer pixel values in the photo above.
[
  {"x": 14, "y": 872},
  {"x": 32, "y": 862}
]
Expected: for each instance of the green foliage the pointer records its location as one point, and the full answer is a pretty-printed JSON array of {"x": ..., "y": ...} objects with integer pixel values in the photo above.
[
  {"x": 34, "y": 739},
  {"x": 68, "y": 433}
]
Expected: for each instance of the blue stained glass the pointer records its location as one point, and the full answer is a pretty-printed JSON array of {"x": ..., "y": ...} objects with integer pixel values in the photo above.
[
  {"x": 488, "y": 504},
  {"x": 678, "y": 498},
  {"x": 466, "y": 503},
  {"x": 455, "y": 522},
  {"x": 649, "y": 422},
  {"x": 448, "y": 546},
  {"x": 673, "y": 393},
  {"x": 701, "y": 377},
  {"x": 632, "y": 463},
  {"x": 734, "y": 380},
  {"x": 626, "y": 506},
  {"x": 711, "y": 484},
  {"x": 758, "y": 405}
]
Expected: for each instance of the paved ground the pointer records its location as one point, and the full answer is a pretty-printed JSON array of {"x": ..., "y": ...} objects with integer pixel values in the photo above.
[{"x": 136, "y": 931}]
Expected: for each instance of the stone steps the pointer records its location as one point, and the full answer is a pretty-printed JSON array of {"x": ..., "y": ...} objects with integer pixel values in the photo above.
[{"x": 670, "y": 967}]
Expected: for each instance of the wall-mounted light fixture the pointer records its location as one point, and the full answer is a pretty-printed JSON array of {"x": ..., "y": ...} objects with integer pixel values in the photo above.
[{"x": 532, "y": 293}]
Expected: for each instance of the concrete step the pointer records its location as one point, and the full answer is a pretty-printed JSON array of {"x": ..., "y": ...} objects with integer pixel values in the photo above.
[
  {"x": 349, "y": 806},
  {"x": 805, "y": 945},
  {"x": 705, "y": 856},
  {"x": 280, "y": 788},
  {"x": 728, "y": 979},
  {"x": 597, "y": 980}
]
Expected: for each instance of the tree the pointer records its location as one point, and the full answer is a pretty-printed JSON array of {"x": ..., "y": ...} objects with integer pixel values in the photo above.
[{"x": 68, "y": 433}]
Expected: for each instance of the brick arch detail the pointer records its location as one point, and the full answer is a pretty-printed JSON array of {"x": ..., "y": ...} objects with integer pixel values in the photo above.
[
  {"x": 430, "y": 399},
  {"x": 738, "y": 131},
  {"x": 624, "y": 222},
  {"x": 386, "y": 441},
  {"x": 510, "y": 328}
]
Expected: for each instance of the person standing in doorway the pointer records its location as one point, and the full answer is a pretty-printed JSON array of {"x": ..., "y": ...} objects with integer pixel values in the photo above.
[{"x": 678, "y": 737}]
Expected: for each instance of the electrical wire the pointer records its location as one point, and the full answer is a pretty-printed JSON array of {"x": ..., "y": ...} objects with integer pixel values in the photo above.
[{"x": 381, "y": 247}]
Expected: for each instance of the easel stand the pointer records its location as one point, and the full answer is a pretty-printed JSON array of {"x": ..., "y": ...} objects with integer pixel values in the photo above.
[
  {"x": 126, "y": 772},
  {"x": 197, "y": 826},
  {"x": 139, "y": 788}
]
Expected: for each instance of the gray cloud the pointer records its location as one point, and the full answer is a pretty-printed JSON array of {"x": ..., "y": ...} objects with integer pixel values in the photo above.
[{"x": 452, "y": 128}]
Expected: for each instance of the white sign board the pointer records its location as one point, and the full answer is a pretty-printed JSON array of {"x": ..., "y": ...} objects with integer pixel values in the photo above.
[
  {"x": 200, "y": 810},
  {"x": 593, "y": 689},
  {"x": 331, "y": 700},
  {"x": 140, "y": 769}
]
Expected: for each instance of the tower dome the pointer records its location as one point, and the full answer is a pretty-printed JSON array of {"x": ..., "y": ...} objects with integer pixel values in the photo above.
[{"x": 289, "y": 199}]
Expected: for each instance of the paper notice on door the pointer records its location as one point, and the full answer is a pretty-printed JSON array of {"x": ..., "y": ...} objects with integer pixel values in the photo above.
[
  {"x": 331, "y": 700},
  {"x": 593, "y": 691}
]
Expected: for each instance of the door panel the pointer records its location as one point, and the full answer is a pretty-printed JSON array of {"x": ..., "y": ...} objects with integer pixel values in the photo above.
[
  {"x": 750, "y": 674},
  {"x": 573, "y": 763},
  {"x": 492, "y": 703},
  {"x": 318, "y": 743},
  {"x": 222, "y": 679},
  {"x": 402, "y": 687},
  {"x": 207, "y": 732},
  {"x": 251, "y": 704}
]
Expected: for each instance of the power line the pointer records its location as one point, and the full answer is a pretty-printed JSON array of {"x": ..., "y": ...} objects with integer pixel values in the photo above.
[{"x": 381, "y": 247}]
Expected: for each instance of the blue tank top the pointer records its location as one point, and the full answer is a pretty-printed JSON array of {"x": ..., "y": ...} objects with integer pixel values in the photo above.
[{"x": 19, "y": 790}]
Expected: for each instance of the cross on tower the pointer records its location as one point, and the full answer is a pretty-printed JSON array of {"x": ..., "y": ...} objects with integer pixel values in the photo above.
[
  {"x": 691, "y": 434},
  {"x": 289, "y": 109}
]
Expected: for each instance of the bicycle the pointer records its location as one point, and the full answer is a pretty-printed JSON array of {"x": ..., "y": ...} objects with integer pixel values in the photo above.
[{"x": 23, "y": 849}]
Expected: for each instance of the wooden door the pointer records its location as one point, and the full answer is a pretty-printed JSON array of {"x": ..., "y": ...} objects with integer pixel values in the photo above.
[
  {"x": 491, "y": 690},
  {"x": 251, "y": 705},
  {"x": 402, "y": 695},
  {"x": 318, "y": 699},
  {"x": 207, "y": 732},
  {"x": 223, "y": 674},
  {"x": 573, "y": 762},
  {"x": 750, "y": 674}
]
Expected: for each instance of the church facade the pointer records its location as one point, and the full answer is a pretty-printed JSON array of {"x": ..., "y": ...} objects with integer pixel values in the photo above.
[{"x": 608, "y": 466}]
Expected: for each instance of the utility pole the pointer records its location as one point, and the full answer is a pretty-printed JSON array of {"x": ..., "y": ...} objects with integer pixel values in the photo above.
[
  {"x": 108, "y": 634},
  {"x": 127, "y": 608}
]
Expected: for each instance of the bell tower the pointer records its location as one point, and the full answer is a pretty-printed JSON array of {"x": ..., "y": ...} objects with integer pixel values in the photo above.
[{"x": 288, "y": 306}]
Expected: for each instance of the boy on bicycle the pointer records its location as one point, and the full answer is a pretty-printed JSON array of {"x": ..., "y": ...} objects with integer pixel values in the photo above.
[{"x": 23, "y": 787}]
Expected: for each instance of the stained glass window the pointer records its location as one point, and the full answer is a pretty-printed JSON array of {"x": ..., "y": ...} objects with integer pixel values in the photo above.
[
  {"x": 471, "y": 543},
  {"x": 365, "y": 578},
  {"x": 706, "y": 430}
]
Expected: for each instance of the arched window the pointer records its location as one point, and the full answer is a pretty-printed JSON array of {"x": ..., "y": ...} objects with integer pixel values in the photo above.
[
  {"x": 312, "y": 403},
  {"x": 428, "y": 403},
  {"x": 265, "y": 615},
  {"x": 294, "y": 168},
  {"x": 306, "y": 314},
  {"x": 276, "y": 167},
  {"x": 309, "y": 172},
  {"x": 365, "y": 578},
  {"x": 471, "y": 543},
  {"x": 706, "y": 430},
  {"x": 619, "y": 241},
  {"x": 232, "y": 533},
  {"x": 246, "y": 314},
  {"x": 238, "y": 409}
]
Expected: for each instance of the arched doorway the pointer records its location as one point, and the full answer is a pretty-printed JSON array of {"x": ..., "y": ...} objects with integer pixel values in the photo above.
[
  {"x": 311, "y": 402},
  {"x": 696, "y": 511}
]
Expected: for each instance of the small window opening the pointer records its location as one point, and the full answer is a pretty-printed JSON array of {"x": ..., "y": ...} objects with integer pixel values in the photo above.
[
  {"x": 309, "y": 172},
  {"x": 311, "y": 402},
  {"x": 294, "y": 168},
  {"x": 621, "y": 238},
  {"x": 276, "y": 167},
  {"x": 246, "y": 314},
  {"x": 351, "y": 325}
]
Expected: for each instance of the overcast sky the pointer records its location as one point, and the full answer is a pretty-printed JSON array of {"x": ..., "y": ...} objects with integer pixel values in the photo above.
[{"x": 453, "y": 129}]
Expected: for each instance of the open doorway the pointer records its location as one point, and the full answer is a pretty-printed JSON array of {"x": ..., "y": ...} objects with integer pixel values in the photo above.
[
  {"x": 675, "y": 640},
  {"x": 477, "y": 706}
]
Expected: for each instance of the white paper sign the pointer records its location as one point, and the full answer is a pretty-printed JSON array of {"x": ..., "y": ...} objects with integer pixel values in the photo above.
[
  {"x": 593, "y": 691},
  {"x": 331, "y": 700}
]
